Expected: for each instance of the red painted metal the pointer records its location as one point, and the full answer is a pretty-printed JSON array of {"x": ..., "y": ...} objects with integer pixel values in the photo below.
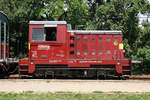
[
  {"x": 76, "y": 49},
  {"x": 2, "y": 51}
]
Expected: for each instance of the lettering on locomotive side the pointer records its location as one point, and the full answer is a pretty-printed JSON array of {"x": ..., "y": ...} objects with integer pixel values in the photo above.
[
  {"x": 60, "y": 55},
  {"x": 43, "y": 47},
  {"x": 54, "y": 61},
  {"x": 90, "y": 61}
]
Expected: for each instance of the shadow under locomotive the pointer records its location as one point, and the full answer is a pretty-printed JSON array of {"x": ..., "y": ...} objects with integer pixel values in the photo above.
[{"x": 64, "y": 72}]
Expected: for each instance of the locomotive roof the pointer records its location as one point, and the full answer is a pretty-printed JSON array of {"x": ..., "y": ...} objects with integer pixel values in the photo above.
[
  {"x": 48, "y": 22},
  {"x": 96, "y": 32}
]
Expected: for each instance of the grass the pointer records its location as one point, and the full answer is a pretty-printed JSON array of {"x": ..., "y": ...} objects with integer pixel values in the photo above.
[{"x": 73, "y": 96}]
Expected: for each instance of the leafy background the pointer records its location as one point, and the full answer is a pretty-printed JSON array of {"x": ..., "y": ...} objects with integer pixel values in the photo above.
[{"x": 83, "y": 14}]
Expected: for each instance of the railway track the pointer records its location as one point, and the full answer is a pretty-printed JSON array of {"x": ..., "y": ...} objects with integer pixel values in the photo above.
[
  {"x": 138, "y": 77},
  {"x": 133, "y": 77},
  {"x": 16, "y": 76}
]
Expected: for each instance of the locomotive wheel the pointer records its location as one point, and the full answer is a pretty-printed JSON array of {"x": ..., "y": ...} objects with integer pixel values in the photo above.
[
  {"x": 3, "y": 71},
  {"x": 23, "y": 72}
]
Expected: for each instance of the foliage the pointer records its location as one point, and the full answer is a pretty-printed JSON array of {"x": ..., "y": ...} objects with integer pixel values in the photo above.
[
  {"x": 77, "y": 13},
  {"x": 51, "y": 9},
  {"x": 143, "y": 51},
  {"x": 82, "y": 14}
]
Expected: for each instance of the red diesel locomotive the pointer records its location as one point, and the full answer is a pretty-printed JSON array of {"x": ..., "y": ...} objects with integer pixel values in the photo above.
[{"x": 55, "y": 50}]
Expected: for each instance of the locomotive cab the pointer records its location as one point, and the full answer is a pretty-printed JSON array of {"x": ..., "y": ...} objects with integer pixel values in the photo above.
[{"x": 47, "y": 44}]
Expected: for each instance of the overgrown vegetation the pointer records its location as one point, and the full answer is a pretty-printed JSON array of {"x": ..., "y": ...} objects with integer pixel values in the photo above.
[
  {"x": 83, "y": 14},
  {"x": 73, "y": 96}
]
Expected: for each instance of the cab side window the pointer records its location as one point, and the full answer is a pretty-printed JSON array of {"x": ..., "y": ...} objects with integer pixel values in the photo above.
[
  {"x": 44, "y": 34},
  {"x": 50, "y": 33},
  {"x": 38, "y": 34}
]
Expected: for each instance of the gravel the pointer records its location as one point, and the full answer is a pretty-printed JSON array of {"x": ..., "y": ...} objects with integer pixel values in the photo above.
[{"x": 79, "y": 86}]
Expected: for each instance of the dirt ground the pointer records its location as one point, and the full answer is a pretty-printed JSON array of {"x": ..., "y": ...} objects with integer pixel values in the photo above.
[{"x": 80, "y": 86}]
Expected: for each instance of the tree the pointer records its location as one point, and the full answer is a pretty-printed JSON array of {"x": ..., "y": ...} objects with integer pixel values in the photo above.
[
  {"x": 82, "y": 14},
  {"x": 77, "y": 13}
]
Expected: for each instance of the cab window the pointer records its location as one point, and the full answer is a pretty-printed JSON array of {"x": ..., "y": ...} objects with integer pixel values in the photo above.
[
  {"x": 38, "y": 34},
  {"x": 50, "y": 33},
  {"x": 44, "y": 34}
]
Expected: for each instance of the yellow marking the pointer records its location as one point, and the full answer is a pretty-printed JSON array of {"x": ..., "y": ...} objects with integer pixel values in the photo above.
[
  {"x": 120, "y": 46},
  {"x": 29, "y": 46}
]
